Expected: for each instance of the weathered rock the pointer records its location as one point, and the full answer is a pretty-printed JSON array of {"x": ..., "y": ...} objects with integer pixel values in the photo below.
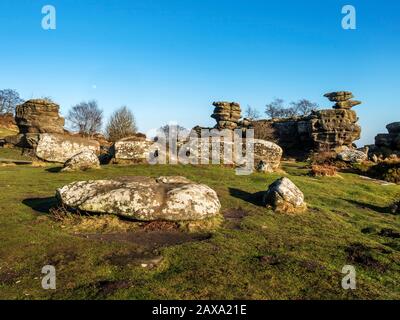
[
  {"x": 267, "y": 155},
  {"x": 227, "y": 115},
  {"x": 346, "y": 104},
  {"x": 352, "y": 156},
  {"x": 39, "y": 116},
  {"x": 143, "y": 198},
  {"x": 82, "y": 161},
  {"x": 60, "y": 148},
  {"x": 284, "y": 196},
  {"x": 321, "y": 131},
  {"x": 339, "y": 96},
  {"x": 334, "y": 128},
  {"x": 393, "y": 128},
  {"x": 132, "y": 149},
  {"x": 388, "y": 144}
]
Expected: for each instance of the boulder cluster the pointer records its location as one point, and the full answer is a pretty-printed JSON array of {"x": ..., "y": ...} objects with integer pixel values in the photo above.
[
  {"x": 227, "y": 115},
  {"x": 41, "y": 129},
  {"x": 342, "y": 99}
]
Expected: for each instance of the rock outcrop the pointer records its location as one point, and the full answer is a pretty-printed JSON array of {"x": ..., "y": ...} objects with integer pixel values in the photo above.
[
  {"x": 82, "y": 161},
  {"x": 143, "y": 198},
  {"x": 133, "y": 149},
  {"x": 323, "y": 130},
  {"x": 60, "y": 148},
  {"x": 387, "y": 144},
  {"x": 285, "y": 197},
  {"x": 39, "y": 116},
  {"x": 227, "y": 115}
]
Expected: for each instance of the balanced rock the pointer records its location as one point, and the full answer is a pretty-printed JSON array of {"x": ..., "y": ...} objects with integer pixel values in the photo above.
[
  {"x": 60, "y": 148},
  {"x": 39, "y": 116},
  {"x": 143, "y": 198},
  {"x": 342, "y": 99},
  {"x": 227, "y": 114},
  {"x": 285, "y": 197},
  {"x": 132, "y": 149},
  {"x": 352, "y": 156},
  {"x": 82, "y": 161},
  {"x": 339, "y": 96}
]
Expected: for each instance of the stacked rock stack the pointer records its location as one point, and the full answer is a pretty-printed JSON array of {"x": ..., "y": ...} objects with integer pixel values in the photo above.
[
  {"x": 342, "y": 99},
  {"x": 39, "y": 116},
  {"x": 227, "y": 115}
]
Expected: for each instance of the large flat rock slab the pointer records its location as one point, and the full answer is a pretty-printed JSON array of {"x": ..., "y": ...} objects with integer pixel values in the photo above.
[{"x": 143, "y": 198}]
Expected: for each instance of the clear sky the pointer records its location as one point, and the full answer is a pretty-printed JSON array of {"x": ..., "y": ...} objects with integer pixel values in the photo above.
[{"x": 168, "y": 60}]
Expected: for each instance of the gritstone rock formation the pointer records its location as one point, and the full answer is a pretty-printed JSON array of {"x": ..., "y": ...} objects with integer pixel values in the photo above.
[
  {"x": 227, "y": 115},
  {"x": 387, "y": 144},
  {"x": 39, "y": 116},
  {"x": 328, "y": 129}
]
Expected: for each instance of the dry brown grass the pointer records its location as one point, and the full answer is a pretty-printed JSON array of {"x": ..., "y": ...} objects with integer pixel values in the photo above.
[{"x": 323, "y": 170}]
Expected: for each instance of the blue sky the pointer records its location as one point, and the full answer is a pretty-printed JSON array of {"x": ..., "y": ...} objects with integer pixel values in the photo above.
[{"x": 168, "y": 60}]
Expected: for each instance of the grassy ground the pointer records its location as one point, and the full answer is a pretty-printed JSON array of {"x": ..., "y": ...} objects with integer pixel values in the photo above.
[{"x": 255, "y": 254}]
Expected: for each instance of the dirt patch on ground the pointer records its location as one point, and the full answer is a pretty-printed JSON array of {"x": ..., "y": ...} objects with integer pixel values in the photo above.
[
  {"x": 363, "y": 255},
  {"x": 160, "y": 225},
  {"x": 389, "y": 233},
  {"x": 233, "y": 217},
  {"x": 149, "y": 240}
]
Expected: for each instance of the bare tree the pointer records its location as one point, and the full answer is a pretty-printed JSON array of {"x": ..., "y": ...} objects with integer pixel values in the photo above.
[
  {"x": 304, "y": 107},
  {"x": 252, "y": 113},
  {"x": 277, "y": 109},
  {"x": 86, "y": 117},
  {"x": 121, "y": 124},
  {"x": 174, "y": 129},
  {"x": 9, "y": 99}
]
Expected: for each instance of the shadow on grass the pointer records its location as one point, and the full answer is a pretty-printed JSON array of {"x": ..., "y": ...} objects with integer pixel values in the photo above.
[
  {"x": 42, "y": 205},
  {"x": 369, "y": 206},
  {"x": 253, "y": 198},
  {"x": 54, "y": 169}
]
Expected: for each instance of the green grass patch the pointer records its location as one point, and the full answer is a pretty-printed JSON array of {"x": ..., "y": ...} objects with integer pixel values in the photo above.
[{"x": 253, "y": 253}]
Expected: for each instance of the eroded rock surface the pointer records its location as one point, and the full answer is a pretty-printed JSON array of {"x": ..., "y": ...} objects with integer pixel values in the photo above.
[
  {"x": 39, "y": 116},
  {"x": 285, "y": 197},
  {"x": 82, "y": 161},
  {"x": 132, "y": 149},
  {"x": 143, "y": 198},
  {"x": 60, "y": 148}
]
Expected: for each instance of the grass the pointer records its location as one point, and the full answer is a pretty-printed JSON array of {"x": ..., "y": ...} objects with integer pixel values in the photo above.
[{"x": 254, "y": 254}]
